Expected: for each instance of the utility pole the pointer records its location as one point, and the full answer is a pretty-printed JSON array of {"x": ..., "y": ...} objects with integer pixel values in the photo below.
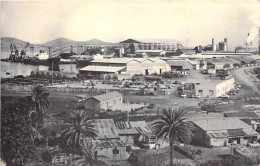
[{"x": 52, "y": 73}]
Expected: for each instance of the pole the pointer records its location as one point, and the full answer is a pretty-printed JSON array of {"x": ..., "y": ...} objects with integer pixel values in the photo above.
[{"x": 52, "y": 72}]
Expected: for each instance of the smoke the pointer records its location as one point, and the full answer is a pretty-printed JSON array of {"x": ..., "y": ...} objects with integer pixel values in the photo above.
[{"x": 254, "y": 30}]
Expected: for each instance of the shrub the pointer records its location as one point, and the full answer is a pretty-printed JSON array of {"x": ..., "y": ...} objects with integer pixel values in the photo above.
[
  {"x": 230, "y": 160},
  {"x": 46, "y": 156}
]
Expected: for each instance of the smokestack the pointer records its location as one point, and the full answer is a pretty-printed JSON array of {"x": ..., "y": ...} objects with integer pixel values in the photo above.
[
  {"x": 213, "y": 45},
  {"x": 225, "y": 44}
]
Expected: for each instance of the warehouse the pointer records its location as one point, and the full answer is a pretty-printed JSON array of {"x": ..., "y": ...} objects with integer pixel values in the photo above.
[
  {"x": 151, "y": 53},
  {"x": 213, "y": 132},
  {"x": 104, "y": 101},
  {"x": 214, "y": 88},
  {"x": 182, "y": 66},
  {"x": 130, "y": 66},
  {"x": 208, "y": 87}
]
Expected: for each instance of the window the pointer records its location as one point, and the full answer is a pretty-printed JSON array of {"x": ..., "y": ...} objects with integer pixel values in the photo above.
[{"x": 115, "y": 151}]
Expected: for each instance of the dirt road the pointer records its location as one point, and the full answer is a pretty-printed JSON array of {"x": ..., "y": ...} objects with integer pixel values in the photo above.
[{"x": 244, "y": 79}]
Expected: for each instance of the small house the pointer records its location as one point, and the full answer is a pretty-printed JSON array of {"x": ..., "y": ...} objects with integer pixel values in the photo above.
[
  {"x": 136, "y": 132},
  {"x": 211, "y": 132},
  {"x": 104, "y": 101}
]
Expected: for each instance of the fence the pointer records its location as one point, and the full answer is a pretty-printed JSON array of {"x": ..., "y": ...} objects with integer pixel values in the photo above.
[{"x": 26, "y": 88}]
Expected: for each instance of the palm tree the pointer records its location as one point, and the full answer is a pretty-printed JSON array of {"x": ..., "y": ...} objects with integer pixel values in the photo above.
[
  {"x": 77, "y": 127},
  {"x": 172, "y": 125},
  {"x": 89, "y": 157},
  {"x": 39, "y": 103}
]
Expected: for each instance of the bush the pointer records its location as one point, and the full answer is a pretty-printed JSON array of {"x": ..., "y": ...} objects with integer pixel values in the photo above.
[
  {"x": 230, "y": 160},
  {"x": 46, "y": 156}
]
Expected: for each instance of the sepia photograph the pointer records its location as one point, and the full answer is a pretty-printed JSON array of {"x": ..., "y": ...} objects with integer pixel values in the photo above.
[{"x": 130, "y": 83}]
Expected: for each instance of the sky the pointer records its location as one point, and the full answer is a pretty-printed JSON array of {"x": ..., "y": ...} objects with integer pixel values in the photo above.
[{"x": 191, "y": 22}]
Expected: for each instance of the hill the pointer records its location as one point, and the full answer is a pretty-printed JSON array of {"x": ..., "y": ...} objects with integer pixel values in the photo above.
[
  {"x": 7, "y": 41},
  {"x": 98, "y": 42},
  {"x": 60, "y": 42}
]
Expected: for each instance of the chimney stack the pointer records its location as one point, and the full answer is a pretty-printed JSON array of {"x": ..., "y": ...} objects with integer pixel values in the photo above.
[
  {"x": 225, "y": 44},
  {"x": 213, "y": 45}
]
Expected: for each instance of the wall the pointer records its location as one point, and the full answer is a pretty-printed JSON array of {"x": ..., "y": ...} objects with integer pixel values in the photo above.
[
  {"x": 161, "y": 64},
  {"x": 133, "y": 68},
  {"x": 111, "y": 102},
  {"x": 217, "y": 142},
  {"x": 92, "y": 104},
  {"x": 199, "y": 137},
  {"x": 127, "y": 139},
  {"x": 206, "y": 90},
  {"x": 214, "y": 90},
  {"x": 123, "y": 155},
  {"x": 224, "y": 87}
]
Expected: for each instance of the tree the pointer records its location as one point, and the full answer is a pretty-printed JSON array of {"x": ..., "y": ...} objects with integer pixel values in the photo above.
[
  {"x": 39, "y": 103},
  {"x": 226, "y": 66},
  {"x": 77, "y": 127},
  {"x": 89, "y": 155},
  {"x": 172, "y": 125},
  {"x": 17, "y": 134}
]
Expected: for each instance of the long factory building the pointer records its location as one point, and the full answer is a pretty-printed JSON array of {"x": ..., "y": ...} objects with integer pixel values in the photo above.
[{"x": 130, "y": 66}]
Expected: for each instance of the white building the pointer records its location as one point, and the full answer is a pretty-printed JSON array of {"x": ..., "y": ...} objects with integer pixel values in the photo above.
[
  {"x": 211, "y": 87},
  {"x": 129, "y": 66}
]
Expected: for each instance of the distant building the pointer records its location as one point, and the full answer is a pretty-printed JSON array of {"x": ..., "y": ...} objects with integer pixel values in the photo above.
[
  {"x": 131, "y": 45},
  {"x": 150, "y": 53},
  {"x": 182, "y": 66},
  {"x": 222, "y": 132},
  {"x": 185, "y": 51},
  {"x": 104, "y": 101}
]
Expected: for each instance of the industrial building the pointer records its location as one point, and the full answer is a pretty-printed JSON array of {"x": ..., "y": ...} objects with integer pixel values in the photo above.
[
  {"x": 104, "y": 101},
  {"x": 207, "y": 87},
  {"x": 213, "y": 132},
  {"x": 150, "y": 53},
  {"x": 131, "y": 45},
  {"x": 182, "y": 66},
  {"x": 130, "y": 66}
]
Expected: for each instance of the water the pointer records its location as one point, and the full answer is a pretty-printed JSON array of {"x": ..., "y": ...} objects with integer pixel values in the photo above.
[{"x": 9, "y": 69}]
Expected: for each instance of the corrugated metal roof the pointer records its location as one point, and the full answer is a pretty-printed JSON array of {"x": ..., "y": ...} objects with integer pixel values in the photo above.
[
  {"x": 220, "y": 124},
  {"x": 107, "y": 69},
  {"x": 183, "y": 63},
  {"x": 250, "y": 132},
  {"x": 123, "y": 60},
  {"x": 130, "y": 41},
  {"x": 107, "y": 96},
  {"x": 218, "y": 134},
  {"x": 105, "y": 128},
  {"x": 111, "y": 144},
  {"x": 153, "y": 51},
  {"x": 113, "y": 60},
  {"x": 133, "y": 127},
  {"x": 236, "y": 132}
]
